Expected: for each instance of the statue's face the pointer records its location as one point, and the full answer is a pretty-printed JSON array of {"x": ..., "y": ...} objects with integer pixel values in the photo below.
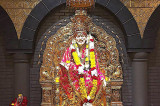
[
  {"x": 20, "y": 97},
  {"x": 81, "y": 37}
]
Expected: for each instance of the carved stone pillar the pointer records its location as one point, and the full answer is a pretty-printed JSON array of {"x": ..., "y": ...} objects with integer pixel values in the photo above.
[
  {"x": 139, "y": 65},
  {"x": 21, "y": 68}
]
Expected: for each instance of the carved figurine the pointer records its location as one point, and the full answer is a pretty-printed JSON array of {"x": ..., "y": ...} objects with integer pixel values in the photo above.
[{"x": 20, "y": 101}]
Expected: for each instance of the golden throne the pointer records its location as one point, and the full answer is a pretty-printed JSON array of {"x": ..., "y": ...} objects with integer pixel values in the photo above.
[{"x": 108, "y": 56}]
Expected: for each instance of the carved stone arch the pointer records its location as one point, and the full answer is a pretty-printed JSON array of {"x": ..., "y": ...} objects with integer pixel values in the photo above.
[
  {"x": 151, "y": 30},
  {"x": 42, "y": 42},
  {"x": 115, "y": 6},
  {"x": 41, "y": 49},
  {"x": 8, "y": 31}
]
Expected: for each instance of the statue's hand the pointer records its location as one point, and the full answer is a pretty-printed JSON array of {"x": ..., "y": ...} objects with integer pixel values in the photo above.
[{"x": 81, "y": 69}]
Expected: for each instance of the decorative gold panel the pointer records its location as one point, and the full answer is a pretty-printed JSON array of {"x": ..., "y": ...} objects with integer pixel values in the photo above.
[
  {"x": 18, "y": 11},
  {"x": 141, "y": 10}
]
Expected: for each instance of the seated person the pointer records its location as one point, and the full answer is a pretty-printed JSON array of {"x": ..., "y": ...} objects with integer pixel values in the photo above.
[{"x": 20, "y": 101}]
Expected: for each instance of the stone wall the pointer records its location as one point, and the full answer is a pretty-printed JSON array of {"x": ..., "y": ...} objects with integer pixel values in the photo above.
[
  {"x": 6, "y": 75},
  {"x": 154, "y": 74}
]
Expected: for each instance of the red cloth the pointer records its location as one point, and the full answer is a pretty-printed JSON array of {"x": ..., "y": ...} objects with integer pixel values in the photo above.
[{"x": 24, "y": 102}]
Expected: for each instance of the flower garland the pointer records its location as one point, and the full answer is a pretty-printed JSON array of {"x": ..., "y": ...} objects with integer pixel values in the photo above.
[
  {"x": 93, "y": 90},
  {"x": 82, "y": 88},
  {"x": 76, "y": 58},
  {"x": 90, "y": 55}
]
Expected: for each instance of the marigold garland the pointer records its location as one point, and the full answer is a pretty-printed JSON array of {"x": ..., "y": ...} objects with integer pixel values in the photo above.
[
  {"x": 93, "y": 90},
  {"x": 68, "y": 61},
  {"x": 89, "y": 56},
  {"x": 76, "y": 58},
  {"x": 92, "y": 59},
  {"x": 82, "y": 88},
  {"x": 86, "y": 59}
]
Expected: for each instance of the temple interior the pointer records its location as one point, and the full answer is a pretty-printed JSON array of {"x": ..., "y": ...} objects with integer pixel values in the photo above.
[{"x": 80, "y": 52}]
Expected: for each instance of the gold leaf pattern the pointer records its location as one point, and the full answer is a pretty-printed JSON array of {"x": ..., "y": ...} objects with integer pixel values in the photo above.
[
  {"x": 18, "y": 11},
  {"x": 141, "y": 10}
]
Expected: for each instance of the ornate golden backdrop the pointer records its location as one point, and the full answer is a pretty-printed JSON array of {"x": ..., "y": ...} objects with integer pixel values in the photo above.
[
  {"x": 50, "y": 71},
  {"x": 18, "y": 11}
]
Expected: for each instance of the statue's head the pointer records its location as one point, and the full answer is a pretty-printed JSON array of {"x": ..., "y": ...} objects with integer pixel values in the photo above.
[
  {"x": 20, "y": 97},
  {"x": 80, "y": 29},
  {"x": 80, "y": 32},
  {"x": 81, "y": 37}
]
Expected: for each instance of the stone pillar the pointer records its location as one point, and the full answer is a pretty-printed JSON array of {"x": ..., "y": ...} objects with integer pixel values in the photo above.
[
  {"x": 21, "y": 68},
  {"x": 139, "y": 65}
]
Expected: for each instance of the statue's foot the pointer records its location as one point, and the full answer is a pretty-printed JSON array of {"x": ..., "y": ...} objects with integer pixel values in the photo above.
[{"x": 87, "y": 104}]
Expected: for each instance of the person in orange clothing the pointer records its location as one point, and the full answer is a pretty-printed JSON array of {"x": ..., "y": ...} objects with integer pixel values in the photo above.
[{"x": 20, "y": 101}]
